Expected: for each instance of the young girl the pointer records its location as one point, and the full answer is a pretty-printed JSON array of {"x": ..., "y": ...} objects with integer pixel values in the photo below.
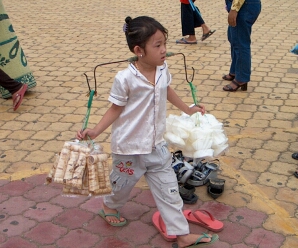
[
  {"x": 189, "y": 21},
  {"x": 138, "y": 113}
]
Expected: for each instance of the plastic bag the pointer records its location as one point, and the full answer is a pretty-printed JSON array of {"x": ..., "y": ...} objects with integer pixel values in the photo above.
[{"x": 82, "y": 169}]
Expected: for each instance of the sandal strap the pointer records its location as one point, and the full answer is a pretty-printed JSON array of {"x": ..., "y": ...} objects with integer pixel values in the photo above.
[
  {"x": 234, "y": 82},
  {"x": 198, "y": 176},
  {"x": 204, "y": 235}
]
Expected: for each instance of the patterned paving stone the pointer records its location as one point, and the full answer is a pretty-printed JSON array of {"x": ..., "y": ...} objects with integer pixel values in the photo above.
[
  {"x": 16, "y": 188},
  {"x": 73, "y": 218},
  {"x": 241, "y": 246},
  {"x": 114, "y": 242},
  {"x": 16, "y": 205},
  {"x": 3, "y": 182},
  {"x": 3, "y": 197},
  {"x": 69, "y": 201},
  {"x": 16, "y": 225},
  {"x": 78, "y": 238},
  {"x": 233, "y": 233},
  {"x": 264, "y": 239},
  {"x": 134, "y": 211},
  {"x": 18, "y": 242},
  {"x": 42, "y": 193},
  {"x": 93, "y": 204},
  {"x": 145, "y": 198},
  {"x": 137, "y": 233},
  {"x": 2, "y": 238},
  {"x": 46, "y": 233},
  {"x": 248, "y": 217},
  {"x": 101, "y": 227},
  {"x": 36, "y": 179},
  {"x": 43, "y": 212}
]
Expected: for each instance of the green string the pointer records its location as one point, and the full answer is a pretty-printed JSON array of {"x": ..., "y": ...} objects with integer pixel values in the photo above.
[{"x": 195, "y": 99}]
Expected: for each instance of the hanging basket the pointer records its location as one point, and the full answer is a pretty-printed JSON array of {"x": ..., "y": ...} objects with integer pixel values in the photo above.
[{"x": 82, "y": 170}]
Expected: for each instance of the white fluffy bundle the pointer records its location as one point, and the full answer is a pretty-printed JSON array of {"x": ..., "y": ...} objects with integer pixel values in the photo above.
[{"x": 197, "y": 136}]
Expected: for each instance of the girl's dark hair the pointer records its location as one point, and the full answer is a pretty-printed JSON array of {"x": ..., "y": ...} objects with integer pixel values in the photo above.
[{"x": 140, "y": 29}]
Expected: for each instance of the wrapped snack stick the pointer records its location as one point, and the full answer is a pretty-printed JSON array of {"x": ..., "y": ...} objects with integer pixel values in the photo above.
[
  {"x": 71, "y": 165},
  {"x": 93, "y": 177},
  {"x": 77, "y": 180},
  {"x": 62, "y": 164},
  {"x": 50, "y": 176}
]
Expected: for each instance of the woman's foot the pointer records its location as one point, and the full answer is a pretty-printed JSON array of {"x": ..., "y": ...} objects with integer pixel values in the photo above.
[
  {"x": 18, "y": 96},
  {"x": 190, "y": 239},
  {"x": 207, "y": 34},
  {"x": 234, "y": 86},
  {"x": 191, "y": 39},
  {"x": 229, "y": 77}
]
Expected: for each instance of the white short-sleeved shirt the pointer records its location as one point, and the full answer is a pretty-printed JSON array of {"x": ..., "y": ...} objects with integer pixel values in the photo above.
[{"x": 142, "y": 123}]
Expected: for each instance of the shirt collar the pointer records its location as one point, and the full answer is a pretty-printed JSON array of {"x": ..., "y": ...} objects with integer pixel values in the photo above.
[{"x": 134, "y": 70}]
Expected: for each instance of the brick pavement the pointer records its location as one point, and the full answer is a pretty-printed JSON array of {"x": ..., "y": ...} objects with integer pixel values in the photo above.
[{"x": 63, "y": 39}]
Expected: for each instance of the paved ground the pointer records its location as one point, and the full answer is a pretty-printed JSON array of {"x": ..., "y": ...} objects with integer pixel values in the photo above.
[{"x": 64, "y": 39}]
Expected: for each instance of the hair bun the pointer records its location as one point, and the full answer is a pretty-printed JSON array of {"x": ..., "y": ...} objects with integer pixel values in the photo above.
[{"x": 128, "y": 19}]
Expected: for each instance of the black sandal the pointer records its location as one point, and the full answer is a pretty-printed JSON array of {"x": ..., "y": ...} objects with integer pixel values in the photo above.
[
  {"x": 215, "y": 187},
  {"x": 296, "y": 173},
  {"x": 230, "y": 88},
  {"x": 187, "y": 194},
  {"x": 228, "y": 77},
  {"x": 205, "y": 36},
  {"x": 295, "y": 155}
]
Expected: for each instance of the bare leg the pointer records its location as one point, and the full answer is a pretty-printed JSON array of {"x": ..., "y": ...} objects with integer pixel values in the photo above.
[{"x": 205, "y": 28}]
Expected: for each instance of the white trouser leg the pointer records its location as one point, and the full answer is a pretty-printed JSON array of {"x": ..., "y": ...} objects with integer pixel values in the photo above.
[{"x": 162, "y": 181}]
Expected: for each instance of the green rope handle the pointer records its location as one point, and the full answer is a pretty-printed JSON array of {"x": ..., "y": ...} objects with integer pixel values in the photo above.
[
  {"x": 86, "y": 119},
  {"x": 195, "y": 99},
  {"x": 194, "y": 93}
]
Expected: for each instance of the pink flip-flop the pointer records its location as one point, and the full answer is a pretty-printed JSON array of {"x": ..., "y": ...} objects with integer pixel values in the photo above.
[
  {"x": 18, "y": 97},
  {"x": 161, "y": 227},
  {"x": 203, "y": 218}
]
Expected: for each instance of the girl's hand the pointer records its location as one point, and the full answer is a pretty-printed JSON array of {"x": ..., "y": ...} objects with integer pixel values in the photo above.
[
  {"x": 197, "y": 108},
  {"x": 83, "y": 135}
]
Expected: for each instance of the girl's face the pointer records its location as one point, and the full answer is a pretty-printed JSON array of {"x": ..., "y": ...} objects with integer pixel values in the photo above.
[{"x": 156, "y": 49}]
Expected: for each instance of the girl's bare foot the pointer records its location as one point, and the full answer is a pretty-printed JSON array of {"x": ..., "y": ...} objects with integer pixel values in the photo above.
[
  {"x": 112, "y": 219},
  {"x": 190, "y": 239}
]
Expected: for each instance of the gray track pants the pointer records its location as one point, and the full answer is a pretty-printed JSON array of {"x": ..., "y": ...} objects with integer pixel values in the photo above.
[{"x": 161, "y": 178}]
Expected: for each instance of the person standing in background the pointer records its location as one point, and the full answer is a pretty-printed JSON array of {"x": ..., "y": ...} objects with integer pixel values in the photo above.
[
  {"x": 242, "y": 15},
  {"x": 189, "y": 21}
]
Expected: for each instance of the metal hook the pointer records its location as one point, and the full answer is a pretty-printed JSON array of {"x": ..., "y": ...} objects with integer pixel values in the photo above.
[
  {"x": 185, "y": 69},
  {"x": 88, "y": 84},
  {"x": 108, "y": 63}
]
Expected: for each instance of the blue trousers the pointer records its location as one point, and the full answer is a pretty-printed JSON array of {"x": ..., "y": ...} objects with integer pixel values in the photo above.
[{"x": 239, "y": 38}]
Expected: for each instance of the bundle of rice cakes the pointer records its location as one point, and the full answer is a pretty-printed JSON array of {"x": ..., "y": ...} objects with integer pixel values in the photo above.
[{"x": 82, "y": 170}]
